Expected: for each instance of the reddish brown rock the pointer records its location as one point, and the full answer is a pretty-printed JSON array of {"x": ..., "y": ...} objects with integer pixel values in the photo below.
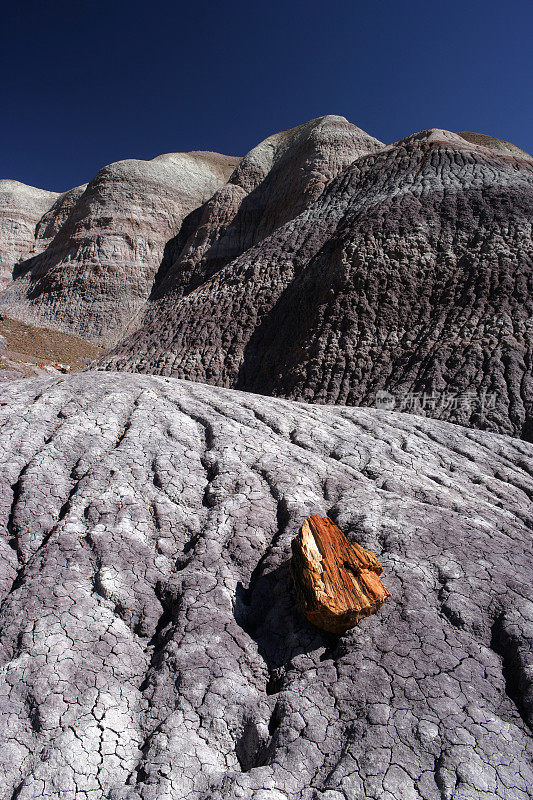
[{"x": 337, "y": 583}]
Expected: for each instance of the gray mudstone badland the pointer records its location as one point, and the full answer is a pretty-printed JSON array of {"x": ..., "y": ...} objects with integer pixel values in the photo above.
[
  {"x": 149, "y": 643},
  {"x": 21, "y": 208},
  {"x": 409, "y": 272},
  {"x": 96, "y": 249},
  {"x": 324, "y": 266}
]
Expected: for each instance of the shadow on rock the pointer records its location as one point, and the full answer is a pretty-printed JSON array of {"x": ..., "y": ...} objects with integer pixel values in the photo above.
[{"x": 267, "y": 611}]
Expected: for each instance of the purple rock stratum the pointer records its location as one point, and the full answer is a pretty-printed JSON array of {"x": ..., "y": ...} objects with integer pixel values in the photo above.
[
  {"x": 90, "y": 264},
  {"x": 149, "y": 641}
]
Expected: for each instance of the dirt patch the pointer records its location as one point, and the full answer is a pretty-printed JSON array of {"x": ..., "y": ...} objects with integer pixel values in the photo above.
[{"x": 27, "y": 350}]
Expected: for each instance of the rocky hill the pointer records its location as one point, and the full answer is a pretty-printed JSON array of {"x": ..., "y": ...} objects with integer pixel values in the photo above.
[
  {"x": 327, "y": 267},
  {"x": 93, "y": 252},
  {"x": 410, "y": 274},
  {"x": 149, "y": 642},
  {"x": 21, "y": 208}
]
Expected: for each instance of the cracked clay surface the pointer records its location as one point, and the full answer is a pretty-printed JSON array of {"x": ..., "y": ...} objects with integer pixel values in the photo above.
[{"x": 149, "y": 645}]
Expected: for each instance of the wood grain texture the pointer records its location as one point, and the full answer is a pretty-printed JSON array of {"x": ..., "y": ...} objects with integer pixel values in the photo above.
[{"x": 337, "y": 583}]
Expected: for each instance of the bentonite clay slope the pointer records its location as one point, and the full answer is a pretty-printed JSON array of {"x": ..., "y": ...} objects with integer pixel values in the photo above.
[
  {"x": 21, "y": 208},
  {"x": 102, "y": 243},
  {"x": 411, "y": 273},
  {"x": 273, "y": 183},
  {"x": 149, "y": 640}
]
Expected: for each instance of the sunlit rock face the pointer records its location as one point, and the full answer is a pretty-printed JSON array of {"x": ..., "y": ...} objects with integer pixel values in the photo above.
[
  {"x": 94, "y": 267},
  {"x": 410, "y": 273},
  {"x": 21, "y": 208},
  {"x": 149, "y": 639},
  {"x": 98, "y": 248}
]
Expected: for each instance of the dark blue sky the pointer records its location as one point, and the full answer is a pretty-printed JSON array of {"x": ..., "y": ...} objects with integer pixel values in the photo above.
[{"x": 88, "y": 83}]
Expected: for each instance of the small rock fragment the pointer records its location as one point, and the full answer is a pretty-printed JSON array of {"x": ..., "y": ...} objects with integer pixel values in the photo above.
[
  {"x": 65, "y": 368},
  {"x": 337, "y": 583}
]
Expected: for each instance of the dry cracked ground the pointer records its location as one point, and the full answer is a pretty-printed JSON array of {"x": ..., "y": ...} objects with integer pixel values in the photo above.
[{"x": 150, "y": 647}]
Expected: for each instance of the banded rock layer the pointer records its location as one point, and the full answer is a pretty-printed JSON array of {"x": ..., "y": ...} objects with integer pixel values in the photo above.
[
  {"x": 21, "y": 208},
  {"x": 324, "y": 266},
  {"x": 411, "y": 273},
  {"x": 98, "y": 247},
  {"x": 149, "y": 643}
]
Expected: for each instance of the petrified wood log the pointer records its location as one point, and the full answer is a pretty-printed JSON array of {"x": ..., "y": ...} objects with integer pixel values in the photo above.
[{"x": 337, "y": 583}]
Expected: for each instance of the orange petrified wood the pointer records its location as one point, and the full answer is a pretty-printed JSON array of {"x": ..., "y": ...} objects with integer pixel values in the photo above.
[{"x": 337, "y": 583}]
